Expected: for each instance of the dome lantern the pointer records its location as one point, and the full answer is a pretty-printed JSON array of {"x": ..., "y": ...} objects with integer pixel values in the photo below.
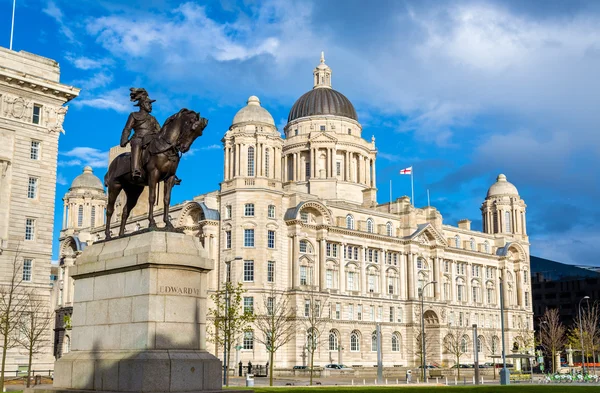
[{"x": 322, "y": 74}]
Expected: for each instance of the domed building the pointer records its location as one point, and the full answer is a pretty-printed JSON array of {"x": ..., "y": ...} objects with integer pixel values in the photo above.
[{"x": 297, "y": 218}]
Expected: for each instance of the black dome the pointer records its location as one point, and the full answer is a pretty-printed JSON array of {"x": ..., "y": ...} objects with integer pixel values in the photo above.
[{"x": 322, "y": 101}]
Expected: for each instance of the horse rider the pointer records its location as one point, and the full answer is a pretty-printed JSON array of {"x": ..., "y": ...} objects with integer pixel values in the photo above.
[{"x": 145, "y": 128}]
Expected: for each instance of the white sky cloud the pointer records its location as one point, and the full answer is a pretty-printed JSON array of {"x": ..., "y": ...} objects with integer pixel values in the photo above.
[{"x": 82, "y": 156}]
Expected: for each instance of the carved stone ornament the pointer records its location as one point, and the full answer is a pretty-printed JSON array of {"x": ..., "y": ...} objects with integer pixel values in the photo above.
[
  {"x": 4, "y": 163},
  {"x": 18, "y": 108},
  {"x": 60, "y": 113}
]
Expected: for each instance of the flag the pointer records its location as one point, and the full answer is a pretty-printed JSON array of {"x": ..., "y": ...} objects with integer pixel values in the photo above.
[{"x": 406, "y": 171}]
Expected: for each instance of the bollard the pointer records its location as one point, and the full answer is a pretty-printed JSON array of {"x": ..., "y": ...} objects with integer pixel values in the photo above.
[
  {"x": 352, "y": 381},
  {"x": 427, "y": 380},
  {"x": 396, "y": 381},
  {"x": 473, "y": 379},
  {"x": 417, "y": 380},
  {"x": 437, "y": 380},
  {"x": 386, "y": 381},
  {"x": 375, "y": 382},
  {"x": 455, "y": 380},
  {"x": 446, "y": 381},
  {"x": 364, "y": 383},
  {"x": 464, "y": 380},
  {"x": 482, "y": 380}
]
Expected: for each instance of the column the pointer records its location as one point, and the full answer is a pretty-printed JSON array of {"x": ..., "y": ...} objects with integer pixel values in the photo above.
[
  {"x": 347, "y": 167},
  {"x": 238, "y": 148},
  {"x": 524, "y": 223},
  {"x": 333, "y": 162},
  {"x": 403, "y": 293},
  {"x": 382, "y": 281},
  {"x": 322, "y": 265},
  {"x": 410, "y": 275},
  {"x": 284, "y": 172},
  {"x": 436, "y": 277},
  {"x": 295, "y": 278},
  {"x": 64, "y": 224},
  {"x": 295, "y": 166},
  {"x": 226, "y": 167},
  {"x": 342, "y": 275},
  {"x": 519, "y": 286},
  {"x": 374, "y": 182},
  {"x": 363, "y": 273}
]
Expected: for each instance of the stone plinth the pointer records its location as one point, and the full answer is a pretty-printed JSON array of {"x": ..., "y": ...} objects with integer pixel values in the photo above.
[{"x": 139, "y": 317}]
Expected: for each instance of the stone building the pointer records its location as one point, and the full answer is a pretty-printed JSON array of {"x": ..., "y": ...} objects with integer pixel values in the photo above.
[
  {"x": 299, "y": 212},
  {"x": 31, "y": 121}
]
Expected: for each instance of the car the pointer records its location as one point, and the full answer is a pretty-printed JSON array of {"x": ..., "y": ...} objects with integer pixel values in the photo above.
[
  {"x": 463, "y": 366},
  {"x": 333, "y": 366},
  {"x": 430, "y": 366},
  {"x": 300, "y": 367}
]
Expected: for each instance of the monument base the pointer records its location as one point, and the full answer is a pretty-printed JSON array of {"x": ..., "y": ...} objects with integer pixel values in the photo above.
[{"x": 139, "y": 318}]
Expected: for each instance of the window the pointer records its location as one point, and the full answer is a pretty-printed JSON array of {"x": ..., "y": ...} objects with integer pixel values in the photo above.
[
  {"x": 271, "y": 271},
  {"x": 248, "y": 305},
  {"x": 271, "y": 211},
  {"x": 32, "y": 187},
  {"x": 338, "y": 311},
  {"x": 457, "y": 241},
  {"x": 29, "y": 229},
  {"x": 333, "y": 341},
  {"x": 461, "y": 318},
  {"x": 248, "y": 237},
  {"x": 390, "y": 282},
  {"x": 251, "y": 161},
  {"x": 472, "y": 243},
  {"x": 322, "y": 128},
  {"x": 303, "y": 246},
  {"x": 248, "y": 271},
  {"x": 349, "y": 131},
  {"x": 350, "y": 312},
  {"x": 459, "y": 292},
  {"x": 463, "y": 345},
  {"x": 526, "y": 299},
  {"x": 249, "y": 210},
  {"x": 304, "y": 217},
  {"x": 354, "y": 342},
  {"x": 475, "y": 294},
  {"x": 27, "y": 267},
  {"x": 37, "y": 114},
  {"x": 370, "y": 225},
  {"x": 249, "y": 339},
  {"x": 446, "y": 266},
  {"x": 359, "y": 312},
  {"x": 380, "y": 314},
  {"x": 267, "y": 162},
  {"x": 371, "y": 278},
  {"x": 303, "y": 275},
  {"x": 228, "y": 239},
  {"x": 395, "y": 342},
  {"x": 228, "y": 211},
  {"x": 270, "y": 239},
  {"x": 391, "y": 314},
  {"x": 296, "y": 132},
  {"x": 349, "y": 222},
  {"x": 332, "y": 250},
  {"x": 338, "y": 168},
  {"x": 34, "y": 152},
  {"x": 389, "y": 229},
  {"x": 270, "y": 304},
  {"x": 490, "y": 295},
  {"x": 372, "y": 312},
  {"x": 374, "y": 342},
  {"x": 351, "y": 281},
  {"x": 307, "y": 169},
  {"x": 306, "y": 308},
  {"x": 93, "y": 217},
  {"x": 507, "y": 222},
  {"x": 80, "y": 216},
  {"x": 525, "y": 276},
  {"x": 329, "y": 279},
  {"x": 486, "y": 247}
]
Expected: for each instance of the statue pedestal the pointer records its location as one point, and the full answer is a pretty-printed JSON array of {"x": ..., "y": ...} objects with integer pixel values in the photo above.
[{"x": 139, "y": 318}]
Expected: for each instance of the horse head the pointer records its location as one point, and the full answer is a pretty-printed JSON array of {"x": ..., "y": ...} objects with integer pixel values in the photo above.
[{"x": 192, "y": 127}]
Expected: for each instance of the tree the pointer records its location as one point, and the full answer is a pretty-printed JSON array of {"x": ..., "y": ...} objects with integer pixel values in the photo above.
[
  {"x": 491, "y": 341},
  {"x": 589, "y": 325},
  {"x": 314, "y": 324},
  {"x": 230, "y": 319},
  {"x": 276, "y": 323},
  {"x": 34, "y": 325},
  {"x": 553, "y": 334},
  {"x": 456, "y": 342},
  {"x": 417, "y": 351},
  {"x": 525, "y": 337},
  {"x": 12, "y": 306}
]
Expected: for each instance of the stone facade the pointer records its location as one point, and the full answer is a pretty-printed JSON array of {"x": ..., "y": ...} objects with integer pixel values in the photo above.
[
  {"x": 300, "y": 213},
  {"x": 31, "y": 121}
]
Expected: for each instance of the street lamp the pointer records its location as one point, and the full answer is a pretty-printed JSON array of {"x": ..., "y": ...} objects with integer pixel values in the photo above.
[
  {"x": 225, "y": 327},
  {"x": 423, "y": 325},
  {"x": 581, "y": 336}
]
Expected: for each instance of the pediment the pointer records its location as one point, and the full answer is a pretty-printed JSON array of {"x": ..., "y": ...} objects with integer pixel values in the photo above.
[
  {"x": 427, "y": 235},
  {"x": 323, "y": 137}
]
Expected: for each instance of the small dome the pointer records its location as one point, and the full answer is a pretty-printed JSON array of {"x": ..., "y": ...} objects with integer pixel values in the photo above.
[
  {"x": 253, "y": 113},
  {"x": 322, "y": 101},
  {"x": 502, "y": 187},
  {"x": 87, "y": 180}
]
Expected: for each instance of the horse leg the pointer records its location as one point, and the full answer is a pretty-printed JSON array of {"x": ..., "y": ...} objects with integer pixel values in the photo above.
[
  {"x": 133, "y": 192},
  {"x": 113, "y": 192},
  {"x": 152, "y": 181},
  {"x": 169, "y": 183}
]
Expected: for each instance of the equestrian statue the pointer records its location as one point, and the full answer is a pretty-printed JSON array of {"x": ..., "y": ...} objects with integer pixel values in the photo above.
[{"x": 154, "y": 157}]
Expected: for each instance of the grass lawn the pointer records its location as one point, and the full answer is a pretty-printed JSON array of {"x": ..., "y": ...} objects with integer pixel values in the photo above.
[{"x": 444, "y": 389}]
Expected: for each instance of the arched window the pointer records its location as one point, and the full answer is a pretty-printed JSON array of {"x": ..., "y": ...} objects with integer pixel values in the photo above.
[
  {"x": 267, "y": 162},
  {"x": 495, "y": 344},
  {"x": 93, "y": 217},
  {"x": 389, "y": 229},
  {"x": 486, "y": 247},
  {"x": 374, "y": 342},
  {"x": 464, "y": 345},
  {"x": 472, "y": 243},
  {"x": 396, "y": 342},
  {"x": 251, "y": 161},
  {"x": 457, "y": 241},
  {"x": 354, "y": 342},
  {"x": 369, "y": 225},
  {"x": 67, "y": 344},
  {"x": 333, "y": 341},
  {"x": 80, "y": 216},
  {"x": 507, "y": 222},
  {"x": 305, "y": 247},
  {"x": 349, "y": 222},
  {"x": 480, "y": 341}
]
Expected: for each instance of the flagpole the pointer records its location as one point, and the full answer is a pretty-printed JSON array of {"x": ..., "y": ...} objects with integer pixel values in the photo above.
[
  {"x": 412, "y": 187},
  {"x": 428, "y": 204},
  {"x": 12, "y": 27},
  {"x": 390, "y": 210}
]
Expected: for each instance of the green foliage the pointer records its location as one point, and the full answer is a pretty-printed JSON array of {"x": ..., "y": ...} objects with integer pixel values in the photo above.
[{"x": 519, "y": 388}]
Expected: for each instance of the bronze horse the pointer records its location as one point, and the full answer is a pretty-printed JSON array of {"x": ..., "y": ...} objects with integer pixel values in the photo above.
[{"x": 159, "y": 163}]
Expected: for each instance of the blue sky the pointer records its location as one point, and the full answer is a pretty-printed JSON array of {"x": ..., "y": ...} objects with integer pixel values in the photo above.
[{"x": 460, "y": 90}]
